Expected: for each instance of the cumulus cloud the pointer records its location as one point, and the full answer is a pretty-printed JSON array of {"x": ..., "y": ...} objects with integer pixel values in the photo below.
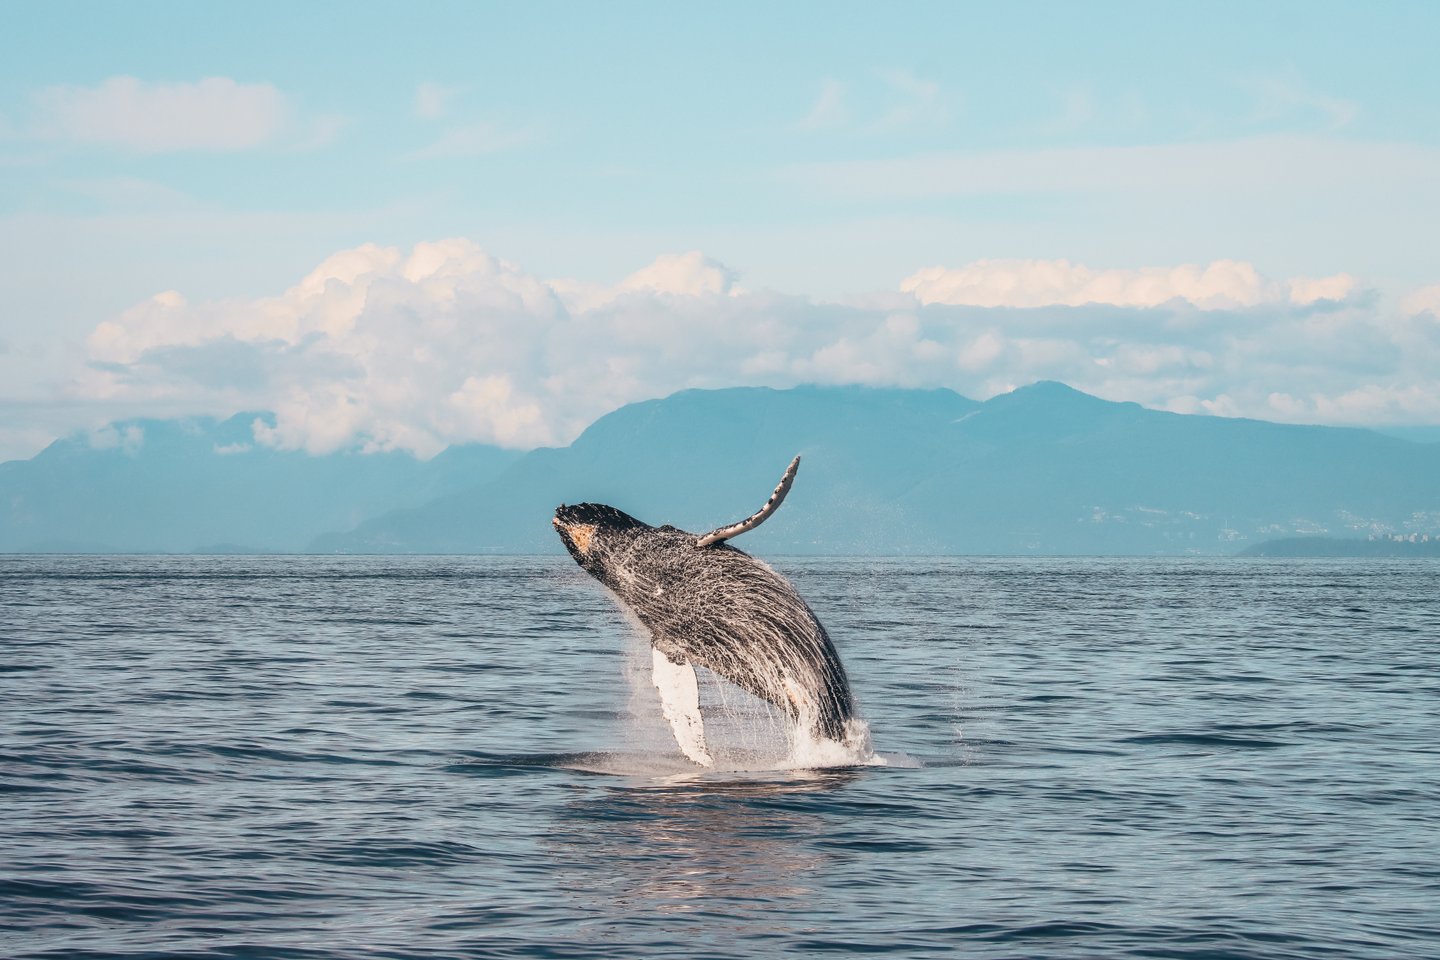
[
  {"x": 1424, "y": 300},
  {"x": 674, "y": 274},
  {"x": 691, "y": 274},
  {"x": 213, "y": 114},
  {"x": 1042, "y": 283},
  {"x": 380, "y": 348},
  {"x": 473, "y": 140},
  {"x": 432, "y": 100}
]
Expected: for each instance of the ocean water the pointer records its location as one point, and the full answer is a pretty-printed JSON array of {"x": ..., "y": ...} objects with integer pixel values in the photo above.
[{"x": 440, "y": 757}]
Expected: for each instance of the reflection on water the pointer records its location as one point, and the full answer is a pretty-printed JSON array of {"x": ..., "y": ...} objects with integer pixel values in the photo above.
[{"x": 685, "y": 843}]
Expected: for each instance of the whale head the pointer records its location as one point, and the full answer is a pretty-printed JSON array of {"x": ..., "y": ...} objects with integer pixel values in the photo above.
[{"x": 599, "y": 537}]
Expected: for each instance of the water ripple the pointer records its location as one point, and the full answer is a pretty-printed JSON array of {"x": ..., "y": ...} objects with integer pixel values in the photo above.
[{"x": 440, "y": 757}]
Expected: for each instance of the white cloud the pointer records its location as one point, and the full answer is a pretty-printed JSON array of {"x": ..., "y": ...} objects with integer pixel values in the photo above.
[
  {"x": 380, "y": 348},
  {"x": 375, "y": 347},
  {"x": 128, "y": 440},
  {"x": 829, "y": 109},
  {"x": 1335, "y": 289},
  {"x": 917, "y": 102},
  {"x": 1424, "y": 300},
  {"x": 474, "y": 140},
  {"x": 677, "y": 274},
  {"x": 1223, "y": 170},
  {"x": 690, "y": 274},
  {"x": 886, "y": 101},
  {"x": 1077, "y": 110},
  {"x": 1224, "y": 284},
  {"x": 214, "y": 114},
  {"x": 432, "y": 101},
  {"x": 321, "y": 132},
  {"x": 1281, "y": 95}
]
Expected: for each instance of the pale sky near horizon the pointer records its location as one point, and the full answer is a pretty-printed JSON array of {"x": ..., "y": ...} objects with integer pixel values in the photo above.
[{"x": 408, "y": 226}]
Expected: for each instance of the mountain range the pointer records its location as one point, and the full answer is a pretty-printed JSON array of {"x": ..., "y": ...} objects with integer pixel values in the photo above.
[
  {"x": 199, "y": 485},
  {"x": 1044, "y": 469}
]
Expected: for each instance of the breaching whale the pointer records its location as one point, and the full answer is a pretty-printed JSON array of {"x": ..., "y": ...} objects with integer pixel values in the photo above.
[{"x": 707, "y": 604}]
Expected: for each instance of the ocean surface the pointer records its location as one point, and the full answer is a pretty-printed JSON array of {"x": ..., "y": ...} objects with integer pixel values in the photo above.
[{"x": 312, "y": 757}]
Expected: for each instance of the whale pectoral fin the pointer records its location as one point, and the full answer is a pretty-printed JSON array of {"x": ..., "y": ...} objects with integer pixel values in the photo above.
[
  {"x": 680, "y": 702},
  {"x": 759, "y": 516}
]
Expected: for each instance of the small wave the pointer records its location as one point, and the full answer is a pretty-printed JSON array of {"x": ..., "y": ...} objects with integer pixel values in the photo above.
[
  {"x": 900, "y": 761},
  {"x": 1205, "y": 740},
  {"x": 671, "y": 768},
  {"x": 492, "y": 764}
]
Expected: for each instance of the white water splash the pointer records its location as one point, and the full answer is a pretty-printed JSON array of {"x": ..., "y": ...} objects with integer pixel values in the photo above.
[{"x": 742, "y": 733}]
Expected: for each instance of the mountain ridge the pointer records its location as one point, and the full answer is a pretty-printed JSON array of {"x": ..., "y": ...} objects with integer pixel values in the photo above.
[
  {"x": 185, "y": 485},
  {"x": 1043, "y": 469}
]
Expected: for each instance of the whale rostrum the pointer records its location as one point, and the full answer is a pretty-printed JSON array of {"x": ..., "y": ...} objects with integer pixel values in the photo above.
[{"x": 705, "y": 603}]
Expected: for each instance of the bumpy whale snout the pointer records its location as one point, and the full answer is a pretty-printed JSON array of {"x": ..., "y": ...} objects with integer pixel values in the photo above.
[
  {"x": 575, "y": 534},
  {"x": 583, "y": 526}
]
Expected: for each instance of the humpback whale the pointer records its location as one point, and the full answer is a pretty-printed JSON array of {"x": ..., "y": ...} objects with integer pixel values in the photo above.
[{"x": 705, "y": 603}]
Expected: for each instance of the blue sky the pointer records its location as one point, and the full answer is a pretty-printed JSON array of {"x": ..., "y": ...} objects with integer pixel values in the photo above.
[{"x": 810, "y": 160}]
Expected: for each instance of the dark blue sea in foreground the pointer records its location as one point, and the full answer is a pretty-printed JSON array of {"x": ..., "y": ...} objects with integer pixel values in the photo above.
[{"x": 438, "y": 757}]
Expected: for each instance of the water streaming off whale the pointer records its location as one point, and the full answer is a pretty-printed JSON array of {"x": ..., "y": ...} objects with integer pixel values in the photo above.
[{"x": 744, "y": 734}]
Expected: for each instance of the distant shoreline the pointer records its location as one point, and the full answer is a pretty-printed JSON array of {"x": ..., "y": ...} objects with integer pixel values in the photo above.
[
  {"x": 1342, "y": 547},
  {"x": 1299, "y": 548}
]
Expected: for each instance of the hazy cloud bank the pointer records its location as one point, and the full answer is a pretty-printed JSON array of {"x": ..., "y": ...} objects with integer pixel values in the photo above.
[
  {"x": 1224, "y": 284},
  {"x": 415, "y": 350},
  {"x": 216, "y": 114}
]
